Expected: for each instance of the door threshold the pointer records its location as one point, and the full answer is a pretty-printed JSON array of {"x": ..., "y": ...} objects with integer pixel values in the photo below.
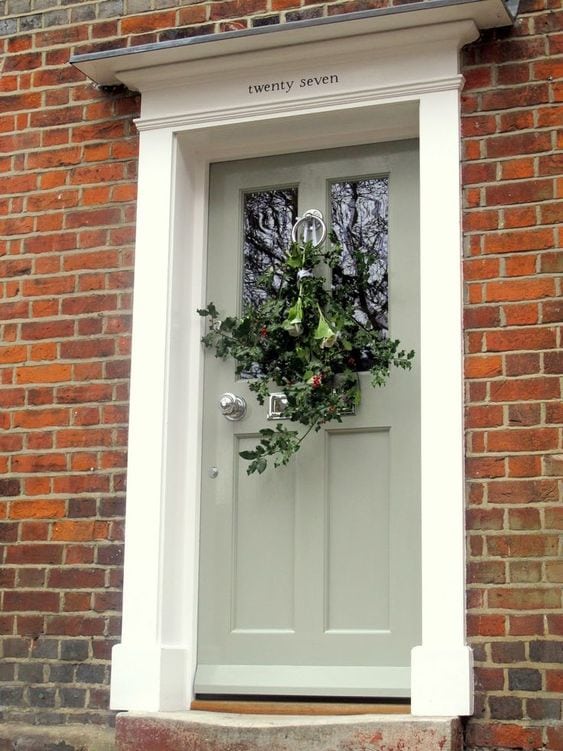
[{"x": 309, "y": 707}]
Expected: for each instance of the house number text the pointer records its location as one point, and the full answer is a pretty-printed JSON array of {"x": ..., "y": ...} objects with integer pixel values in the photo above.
[{"x": 296, "y": 83}]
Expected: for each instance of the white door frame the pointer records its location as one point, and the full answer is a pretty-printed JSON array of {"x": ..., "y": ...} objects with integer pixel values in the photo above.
[{"x": 391, "y": 85}]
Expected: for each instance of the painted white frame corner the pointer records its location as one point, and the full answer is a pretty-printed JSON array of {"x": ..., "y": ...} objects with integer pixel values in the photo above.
[{"x": 193, "y": 116}]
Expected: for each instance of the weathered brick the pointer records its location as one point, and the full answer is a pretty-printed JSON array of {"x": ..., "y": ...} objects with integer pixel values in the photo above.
[{"x": 524, "y": 679}]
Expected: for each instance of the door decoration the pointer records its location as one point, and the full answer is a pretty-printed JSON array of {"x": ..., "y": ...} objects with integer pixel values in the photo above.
[{"x": 307, "y": 339}]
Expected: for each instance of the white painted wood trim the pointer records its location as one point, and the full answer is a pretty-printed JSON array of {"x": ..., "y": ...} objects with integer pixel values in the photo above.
[{"x": 186, "y": 129}]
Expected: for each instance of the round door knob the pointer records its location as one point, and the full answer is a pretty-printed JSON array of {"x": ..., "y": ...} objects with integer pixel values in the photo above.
[{"x": 232, "y": 407}]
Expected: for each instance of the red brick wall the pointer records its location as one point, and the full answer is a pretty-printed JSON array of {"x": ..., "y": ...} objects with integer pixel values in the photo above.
[
  {"x": 67, "y": 174},
  {"x": 513, "y": 187}
]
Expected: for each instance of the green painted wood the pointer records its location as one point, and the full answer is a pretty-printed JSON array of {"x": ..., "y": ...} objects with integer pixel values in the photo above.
[{"x": 310, "y": 574}]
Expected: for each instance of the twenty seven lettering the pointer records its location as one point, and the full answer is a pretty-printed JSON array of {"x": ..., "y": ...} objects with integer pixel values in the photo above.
[{"x": 287, "y": 86}]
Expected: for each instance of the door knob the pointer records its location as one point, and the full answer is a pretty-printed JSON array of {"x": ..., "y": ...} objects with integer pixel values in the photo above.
[{"x": 232, "y": 407}]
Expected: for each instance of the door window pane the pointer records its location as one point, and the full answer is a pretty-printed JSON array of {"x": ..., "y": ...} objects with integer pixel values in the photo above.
[
  {"x": 359, "y": 216},
  {"x": 269, "y": 216}
]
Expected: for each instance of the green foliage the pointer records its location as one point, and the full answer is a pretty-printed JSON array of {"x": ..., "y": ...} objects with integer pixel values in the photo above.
[{"x": 309, "y": 343}]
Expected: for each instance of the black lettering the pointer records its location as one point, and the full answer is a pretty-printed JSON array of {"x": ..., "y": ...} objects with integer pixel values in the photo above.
[
  {"x": 302, "y": 83},
  {"x": 334, "y": 78}
]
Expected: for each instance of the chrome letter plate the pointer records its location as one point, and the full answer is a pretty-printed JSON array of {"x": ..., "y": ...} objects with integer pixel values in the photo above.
[{"x": 276, "y": 405}]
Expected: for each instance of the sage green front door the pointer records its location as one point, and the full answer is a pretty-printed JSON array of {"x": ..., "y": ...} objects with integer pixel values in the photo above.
[{"x": 310, "y": 574}]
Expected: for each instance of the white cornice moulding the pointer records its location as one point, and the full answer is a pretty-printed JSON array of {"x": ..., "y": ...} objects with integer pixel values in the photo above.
[
  {"x": 112, "y": 67},
  {"x": 272, "y": 109}
]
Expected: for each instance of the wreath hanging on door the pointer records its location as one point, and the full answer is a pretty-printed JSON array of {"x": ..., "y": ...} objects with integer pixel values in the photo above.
[{"x": 307, "y": 340}]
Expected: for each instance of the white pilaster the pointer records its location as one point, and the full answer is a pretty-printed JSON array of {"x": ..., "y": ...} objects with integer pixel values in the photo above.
[
  {"x": 150, "y": 665},
  {"x": 441, "y": 666}
]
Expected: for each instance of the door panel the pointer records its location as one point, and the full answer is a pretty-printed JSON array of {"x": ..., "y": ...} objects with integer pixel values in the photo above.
[{"x": 309, "y": 574}]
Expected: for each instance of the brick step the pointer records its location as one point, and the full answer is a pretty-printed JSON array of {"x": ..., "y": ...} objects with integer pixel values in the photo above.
[{"x": 207, "y": 731}]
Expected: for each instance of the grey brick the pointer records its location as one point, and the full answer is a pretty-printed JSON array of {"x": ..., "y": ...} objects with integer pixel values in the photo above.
[
  {"x": 31, "y": 672},
  {"x": 11, "y": 696},
  {"x": 45, "y": 649},
  {"x": 505, "y": 707},
  {"x": 185, "y": 32},
  {"x": 42, "y": 697},
  {"x": 110, "y": 8},
  {"x": 547, "y": 651},
  {"x": 15, "y": 646},
  {"x": 45, "y": 718},
  {"x": 266, "y": 21},
  {"x": 160, "y": 4},
  {"x": 16, "y": 7},
  {"x": 524, "y": 679},
  {"x": 7, "y": 671},
  {"x": 74, "y": 649},
  {"x": 73, "y": 697},
  {"x": 302, "y": 15},
  {"x": 61, "y": 673},
  {"x": 78, "y": 507},
  {"x": 90, "y": 674},
  {"x": 29, "y": 23},
  {"x": 8, "y": 26},
  {"x": 58, "y": 17},
  {"x": 83, "y": 13},
  {"x": 138, "y": 6},
  {"x": 42, "y": 4},
  {"x": 543, "y": 709}
]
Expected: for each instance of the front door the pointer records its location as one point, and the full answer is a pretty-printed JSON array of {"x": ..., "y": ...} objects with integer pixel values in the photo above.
[{"x": 310, "y": 573}]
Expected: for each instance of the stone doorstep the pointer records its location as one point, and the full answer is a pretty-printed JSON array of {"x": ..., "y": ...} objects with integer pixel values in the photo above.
[
  {"x": 209, "y": 731},
  {"x": 20, "y": 737}
]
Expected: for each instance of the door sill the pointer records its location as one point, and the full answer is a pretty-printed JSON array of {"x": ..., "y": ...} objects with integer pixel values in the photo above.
[{"x": 307, "y": 708}]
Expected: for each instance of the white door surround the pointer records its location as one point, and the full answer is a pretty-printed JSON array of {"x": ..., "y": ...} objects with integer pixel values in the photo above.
[{"x": 350, "y": 89}]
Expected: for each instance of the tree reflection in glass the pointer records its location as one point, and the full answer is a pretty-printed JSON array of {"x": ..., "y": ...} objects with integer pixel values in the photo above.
[
  {"x": 359, "y": 216},
  {"x": 269, "y": 216}
]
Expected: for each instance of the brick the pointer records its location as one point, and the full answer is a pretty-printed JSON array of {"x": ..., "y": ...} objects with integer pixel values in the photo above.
[
  {"x": 29, "y": 600},
  {"x": 531, "y": 338},
  {"x": 148, "y": 22},
  {"x": 55, "y": 373},
  {"x": 483, "y": 366},
  {"x": 42, "y": 697},
  {"x": 44, "y": 509},
  {"x": 523, "y": 491},
  {"x": 75, "y": 650},
  {"x": 526, "y": 625},
  {"x": 520, "y": 289},
  {"x": 525, "y": 389},
  {"x": 505, "y": 707},
  {"x": 76, "y": 578},
  {"x": 524, "y": 572},
  {"x": 529, "y": 191},
  {"x": 524, "y": 598},
  {"x": 546, "y": 651},
  {"x": 519, "y": 241},
  {"x": 524, "y": 679},
  {"x": 9, "y": 487},
  {"x": 522, "y": 364},
  {"x": 543, "y": 709},
  {"x": 524, "y": 466},
  {"x": 490, "y": 679},
  {"x": 554, "y": 737}
]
